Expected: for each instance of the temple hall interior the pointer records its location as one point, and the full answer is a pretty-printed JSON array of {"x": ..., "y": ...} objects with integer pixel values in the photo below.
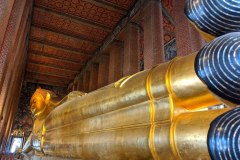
[{"x": 93, "y": 49}]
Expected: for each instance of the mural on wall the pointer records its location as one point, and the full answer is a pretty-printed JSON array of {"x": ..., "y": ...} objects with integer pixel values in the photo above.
[
  {"x": 24, "y": 119},
  {"x": 168, "y": 5},
  {"x": 168, "y": 30},
  {"x": 170, "y": 50}
]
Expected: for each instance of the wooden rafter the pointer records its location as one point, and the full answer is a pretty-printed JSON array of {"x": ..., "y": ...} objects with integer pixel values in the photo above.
[
  {"x": 59, "y": 47},
  {"x": 67, "y": 34},
  {"x": 108, "y": 5},
  {"x": 50, "y": 70},
  {"x": 53, "y": 62},
  {"x": 53, "y": 68},
  {"x": 58, "y": 84},
  {"x": 43, "y": 76},
  {"x": 48, "y": 78},
  {"x": 56, "y": 58}
]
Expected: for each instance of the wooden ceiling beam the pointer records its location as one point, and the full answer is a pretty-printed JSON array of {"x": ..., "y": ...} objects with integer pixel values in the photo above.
[
  {"x": 109, "y": 6},
  {"x": 32, "y": 75},
  {"x": 63, "y": 35},
  {"x": 72, "y": 17},
  {"x": 30, "y": 51},
  {"x": 59, "y": 47},
  {"x": 50, "y": 73},
  {"x": 36, "y": 74},
  {"x": 57, "y": 84},
  {"x": 56, "y": 58},
  {"x": 54, "y": 68},
  {"x": 55, "y": 45},
  {"x": 46, "y": 80},
  {"x": 37, "y": 68},
  {"x": 51, "y": 62},
  {"x": 66, "y": 33}
]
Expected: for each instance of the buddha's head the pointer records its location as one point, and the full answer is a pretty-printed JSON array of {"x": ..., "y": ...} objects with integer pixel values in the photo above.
[{"x": 39, "y": 101}]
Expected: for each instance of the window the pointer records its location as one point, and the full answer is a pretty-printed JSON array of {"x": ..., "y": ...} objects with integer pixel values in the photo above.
[{"x": 17, "y": 142}]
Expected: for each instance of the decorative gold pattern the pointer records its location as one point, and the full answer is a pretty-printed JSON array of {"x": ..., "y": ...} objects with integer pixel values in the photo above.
[{"x": 17, "y": 132}]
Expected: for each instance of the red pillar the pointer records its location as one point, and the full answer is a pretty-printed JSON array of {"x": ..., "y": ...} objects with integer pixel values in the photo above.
[
  {"x": 13, "y": 39},
  {"x": 94, "y": 77},
  {"x": 188, "y": 40},
  {"x": 11, "y": 36},
  {"x": 131, "y": 50},
  {"x": 74, "y": 87},
  {"x": 153, "y": 34},
  {"x": 16, "y": 51},
  {"x": 5, "y": 12},
  {"x": 103, "y": 71},
  {"x": 12, "y": 96},
  {"x": 115, "y": 62},
  {"x": 86, "y": 79},
  {"x": 80, "y": 84},
  {"x": 11, "y": 103}
]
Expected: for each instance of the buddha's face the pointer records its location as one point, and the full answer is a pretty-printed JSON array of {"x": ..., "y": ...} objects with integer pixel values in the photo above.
[{"x": 37, "y": 104}]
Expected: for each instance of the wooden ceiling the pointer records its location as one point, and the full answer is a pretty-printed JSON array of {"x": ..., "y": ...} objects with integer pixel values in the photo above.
[{"x": 65, "y": 34}]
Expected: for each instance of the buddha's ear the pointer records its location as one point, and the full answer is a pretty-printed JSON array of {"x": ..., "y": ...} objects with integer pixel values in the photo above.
[{"x": 47, "y": 99}]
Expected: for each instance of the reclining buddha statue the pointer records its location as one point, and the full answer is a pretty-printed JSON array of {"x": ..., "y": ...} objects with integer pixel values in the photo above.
[{"x": 161, "y": 113}]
